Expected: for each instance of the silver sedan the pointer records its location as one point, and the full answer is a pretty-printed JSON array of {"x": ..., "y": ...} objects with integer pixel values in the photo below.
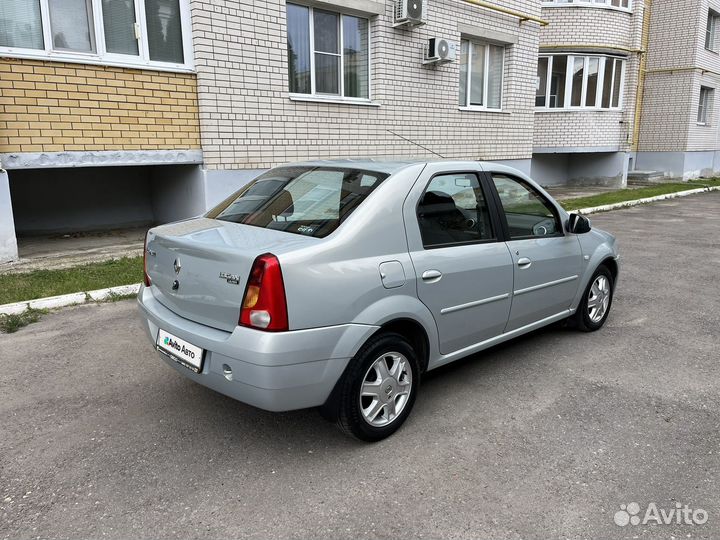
[{"x": 338, "y": 284}]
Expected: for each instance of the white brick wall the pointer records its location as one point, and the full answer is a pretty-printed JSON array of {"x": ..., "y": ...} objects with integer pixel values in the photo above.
[
  {"x": 670, "y": 106},
  {"x": 248, "y": 120},
  {"x": 589, "y": 25}
]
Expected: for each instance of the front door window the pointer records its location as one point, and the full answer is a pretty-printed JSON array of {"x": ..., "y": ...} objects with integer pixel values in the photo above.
[{"x": 528, "y": 213}]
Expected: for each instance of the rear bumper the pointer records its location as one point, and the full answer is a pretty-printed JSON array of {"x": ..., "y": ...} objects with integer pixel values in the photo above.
[{"x": 273, "y": 371}]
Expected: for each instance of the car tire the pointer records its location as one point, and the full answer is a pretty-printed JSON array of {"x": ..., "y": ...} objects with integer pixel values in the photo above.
[
  {"x": 388, "y": 362},
  {"x": 597, "y": 295}
]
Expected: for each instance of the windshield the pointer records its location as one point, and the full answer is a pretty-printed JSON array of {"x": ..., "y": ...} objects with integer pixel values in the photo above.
[{"x": 312, "y": 201}]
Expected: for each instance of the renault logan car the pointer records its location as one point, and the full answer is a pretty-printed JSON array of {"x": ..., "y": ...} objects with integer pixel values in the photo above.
[{"x": 339, "y": 283}]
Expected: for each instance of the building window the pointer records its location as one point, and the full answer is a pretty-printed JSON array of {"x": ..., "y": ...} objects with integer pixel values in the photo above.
[
  {"x": 153, "y": 33},
  {"x": 587, "y": 82},
  {"x": 328, "y": 53},
  {"x": 481, "y": 75},
  {"x": 21, "y": 24},
  {"x": 712, "y": 22},
  {"x": 71, "y": 25},
  {"x": 623, "y": 4},
  {"x": 119, "y": 22},
  {"x": 705, "y": 105}
]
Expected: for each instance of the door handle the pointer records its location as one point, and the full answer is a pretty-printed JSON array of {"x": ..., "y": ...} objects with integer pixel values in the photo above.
[
  {"x": 431, "y": 275},
  {"x": 524, "y": 262}
]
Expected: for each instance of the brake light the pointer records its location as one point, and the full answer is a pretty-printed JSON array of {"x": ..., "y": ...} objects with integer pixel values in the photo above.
[
  {"x": 146, "y": 276},
  {"x": 265, "y": 306}
]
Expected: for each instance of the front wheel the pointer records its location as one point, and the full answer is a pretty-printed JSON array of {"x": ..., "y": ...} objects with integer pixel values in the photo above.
[
  {"x": 595, "y": 306},
  {"x": 378, "y": 390}
]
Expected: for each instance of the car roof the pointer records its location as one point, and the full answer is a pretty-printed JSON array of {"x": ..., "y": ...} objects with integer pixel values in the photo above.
[
  {"x": 393, "y": 165},
  {"x": 382, "y": 165}
]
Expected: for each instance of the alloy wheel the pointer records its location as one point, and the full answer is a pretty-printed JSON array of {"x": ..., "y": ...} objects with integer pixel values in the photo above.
[
  {"x": 598, "y": 299},
  {"x": 385, "y": 389}
]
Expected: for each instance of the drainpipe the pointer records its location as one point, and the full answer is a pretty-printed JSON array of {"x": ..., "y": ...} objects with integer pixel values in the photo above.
[{"x": 641, "y": 76}]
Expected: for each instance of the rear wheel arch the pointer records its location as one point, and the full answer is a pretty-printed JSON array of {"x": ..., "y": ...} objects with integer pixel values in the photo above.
[
  {"x": 410, "y": 329},
  {"x": 416, "y": 335}
]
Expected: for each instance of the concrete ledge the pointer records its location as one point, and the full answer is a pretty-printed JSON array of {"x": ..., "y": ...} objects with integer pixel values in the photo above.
[
  {"x": 495, "y": 36},
  {"x": 64, "y": 300},
  {"x": 577, "y": 149},
  {"x": 106, "y": 158},
  {"x": 358, "y": 7}
]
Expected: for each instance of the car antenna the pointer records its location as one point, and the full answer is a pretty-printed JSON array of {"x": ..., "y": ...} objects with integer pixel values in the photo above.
[{"x": 416, "y": 144}]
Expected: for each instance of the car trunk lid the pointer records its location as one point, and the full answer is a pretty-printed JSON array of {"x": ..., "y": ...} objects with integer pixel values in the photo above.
[{"x": 199, "y": 268}]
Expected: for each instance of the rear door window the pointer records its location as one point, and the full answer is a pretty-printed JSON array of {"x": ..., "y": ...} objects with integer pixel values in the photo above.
[
  {"x": 312, "y": 201},
  {"x": 454, "y": 211}
]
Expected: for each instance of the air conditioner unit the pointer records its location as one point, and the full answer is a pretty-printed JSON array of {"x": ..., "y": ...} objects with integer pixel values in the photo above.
[
  {"x": 440, "y": 51},
  {"x": 409, "y": 12}
]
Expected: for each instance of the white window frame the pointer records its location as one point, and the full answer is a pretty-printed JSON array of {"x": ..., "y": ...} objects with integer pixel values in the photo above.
[
  {"x": 600, "y": 4},
  {"x": 486, "y": 79},
  {"x": 705, "y": 106},
  {"x": 101, "y": 56},
  {"x": 335, "y": 98},
  {"x": 603, "y": 59},
  {"x": 711, "y": 30}
]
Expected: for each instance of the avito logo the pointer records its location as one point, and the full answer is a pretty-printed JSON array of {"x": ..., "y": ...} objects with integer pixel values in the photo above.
[{"x": 630, "y": 514}]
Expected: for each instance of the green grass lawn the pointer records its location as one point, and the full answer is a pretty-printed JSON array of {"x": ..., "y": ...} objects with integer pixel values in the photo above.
[
  {"x": 126, "y": 271},
  {"x": 42, "y": 283},
  {"x": 624, "y": 195}
]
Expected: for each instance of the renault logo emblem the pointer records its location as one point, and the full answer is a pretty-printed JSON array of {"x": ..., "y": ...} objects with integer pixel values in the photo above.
[{"x": 177, "y": 266}]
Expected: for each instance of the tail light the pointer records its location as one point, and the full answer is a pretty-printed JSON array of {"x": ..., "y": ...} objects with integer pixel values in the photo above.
[
  {"x": 146, "y": 276},
  {"x": 264, "y": 306}
]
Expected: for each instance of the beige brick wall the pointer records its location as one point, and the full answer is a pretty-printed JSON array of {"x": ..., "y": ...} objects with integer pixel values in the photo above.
[
  {"x": 248, "y": 120},
  {"x": 54, "y": 107}
]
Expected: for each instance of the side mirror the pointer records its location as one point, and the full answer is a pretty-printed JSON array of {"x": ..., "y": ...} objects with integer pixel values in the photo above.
[{"x": 578, "y": 224}]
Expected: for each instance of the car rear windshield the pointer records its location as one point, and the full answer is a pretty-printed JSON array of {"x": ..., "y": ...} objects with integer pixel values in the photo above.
[{"x": 312, "y": 201}]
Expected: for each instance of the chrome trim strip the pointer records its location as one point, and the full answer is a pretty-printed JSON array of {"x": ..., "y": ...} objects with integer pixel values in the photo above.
[
  {"x": 460, "y": 307},
  {"x": 543, "y": 285}
]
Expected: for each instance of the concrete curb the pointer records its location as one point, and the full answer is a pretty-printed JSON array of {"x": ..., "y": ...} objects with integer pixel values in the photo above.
[
  {"x": 636, "y": 202},
  {"x": 64, "y": 300}
]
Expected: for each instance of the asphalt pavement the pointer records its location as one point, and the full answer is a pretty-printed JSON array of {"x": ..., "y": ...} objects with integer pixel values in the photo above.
[{"x": 543, "y": 437}]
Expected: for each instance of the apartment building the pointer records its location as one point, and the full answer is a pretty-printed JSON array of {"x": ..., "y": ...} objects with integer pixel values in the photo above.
[
  {"x": 99, "y": 118},
  {"x": 586, "y": 91},
  {"x": 627, "y": 86},
  {"x": 680, "y": 126},
  {"x": 284, "y": 81}
]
